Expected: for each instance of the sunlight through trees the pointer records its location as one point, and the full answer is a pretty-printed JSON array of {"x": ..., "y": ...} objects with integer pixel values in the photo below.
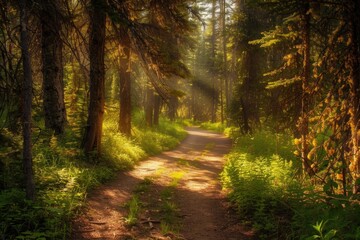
[{"x": 77, "y": 77}]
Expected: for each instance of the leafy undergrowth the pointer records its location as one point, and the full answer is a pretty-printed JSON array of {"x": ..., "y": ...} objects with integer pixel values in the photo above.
[
  {"x": 213, "y": 126},
  {"x": 64, "y": 175},
  {"x": 262, "y": 178}
]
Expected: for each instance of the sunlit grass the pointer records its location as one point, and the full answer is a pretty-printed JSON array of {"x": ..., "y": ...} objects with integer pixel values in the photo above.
[
  {"x": 134, "y": 207},
  {"x": 124, "y": 152},
  {"x": 216, "y": 126},
  {"x": 260, "y": 174},
  {"x": 64, "y": 175},
  {"x": 165, "y": 136},
  {"x": 176, "y": 177}
]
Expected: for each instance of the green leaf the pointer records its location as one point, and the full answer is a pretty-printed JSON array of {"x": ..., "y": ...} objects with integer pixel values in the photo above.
[
  {"x": 319, "y": 226},
  {"x": 313, "y": 237},
  {"x": 330, "y": 235}
]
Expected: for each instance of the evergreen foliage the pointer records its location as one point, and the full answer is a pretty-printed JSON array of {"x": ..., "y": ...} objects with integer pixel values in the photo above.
[{"x": 280, "y": 77}]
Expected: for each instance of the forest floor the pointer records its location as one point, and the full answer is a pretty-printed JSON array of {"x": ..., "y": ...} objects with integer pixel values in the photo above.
[{"x": 175, "y": 195}]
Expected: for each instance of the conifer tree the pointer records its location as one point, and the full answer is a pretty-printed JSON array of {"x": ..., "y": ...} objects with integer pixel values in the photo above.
[
  {"x": 27, "y": 102},
  {"x": 52, "y": 65},
  {"x": 125, "y": 86},
  {"x": 244, "y": 108},
  {"x": 93, "y": 130}
]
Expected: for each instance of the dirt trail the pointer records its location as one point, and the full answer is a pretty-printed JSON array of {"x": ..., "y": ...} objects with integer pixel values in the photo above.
[{"x": 192, "y": 170}]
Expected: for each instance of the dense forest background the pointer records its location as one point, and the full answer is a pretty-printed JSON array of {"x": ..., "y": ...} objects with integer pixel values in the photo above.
[{"x": 89, "y": 86}]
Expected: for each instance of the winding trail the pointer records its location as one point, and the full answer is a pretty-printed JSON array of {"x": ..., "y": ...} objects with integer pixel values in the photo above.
[{"x": 203, "y": 209}]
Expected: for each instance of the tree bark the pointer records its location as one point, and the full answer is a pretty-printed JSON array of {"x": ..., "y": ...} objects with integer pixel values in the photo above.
[
  {"x": 213, "y": 55},
  {"x": 246, "y": 129},
  {"x": 52, "y": 66},
  {"x": 125, "y": 87},
  {"x": 27, "y": 100},
  {"x": 173, "y": 105},
  {"x": 354, "y": 81},
  {"x": 157, "y": 106},
  {"x": 304, "y": 119},
  {"x": 225, "y": 73},
  {"x": 93, "y": 131},
  {"x": 149, "y": 108}
]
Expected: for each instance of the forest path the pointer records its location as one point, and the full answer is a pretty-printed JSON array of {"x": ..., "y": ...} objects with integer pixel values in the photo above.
[{"x": 179, "y": 192}]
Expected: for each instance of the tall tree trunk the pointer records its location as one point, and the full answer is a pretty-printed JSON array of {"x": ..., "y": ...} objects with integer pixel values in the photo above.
[
  {"x": 157, "y": 106},
  {"x": 213, "y": 55},
  {"x": 125, "y": 87},
  {"x": 233, "y": 75},
  {"x": 225, "y": 73},
  {"x": 93, "y": 131},
  {"x": 221, "y": 102},
  {"x": 355, "y": 94},
  {"x": 304, "y": 119},
  {"x": 27, "y": 100},
  {"x": 246, "y": 129},
  {"x": 149, "y": 107},
  {"x": 52, "y": 66},
  {"x": 173, "y": 105}
]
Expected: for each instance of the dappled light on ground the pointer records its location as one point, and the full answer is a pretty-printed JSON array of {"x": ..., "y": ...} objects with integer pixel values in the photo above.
[{"x": 190, "y": 173}]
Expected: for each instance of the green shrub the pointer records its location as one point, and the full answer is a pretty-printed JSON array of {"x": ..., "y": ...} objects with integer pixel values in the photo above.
[
  {"x": 264, "y": 144},
  {"x": 268, "y": 193},
  {"x": 259, "y": 188},
  {"x": 18, "y": 215},
  {"x": 340, "y": 214}
]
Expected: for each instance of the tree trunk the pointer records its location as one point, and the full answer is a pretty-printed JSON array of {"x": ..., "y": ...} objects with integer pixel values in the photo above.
[
  {"x": 304, "y": 119},
  {"x": 225, "y": 73},
  {"x": 213, "y": 55},
  {"x": 246, "y": 129},
  {"x": 149, "y": 108},
  {"x": 93, "y": 131},
  {"x": 355, "y": 95},
  {"x": 157, "y": 106},
  {"x": 125, "y": 87},
  {"x": 173, "y": 105},
  {"x": 233, "y": 75},
  {"x": 52, "y": 66},
  {"x": 27, "y": 100}
]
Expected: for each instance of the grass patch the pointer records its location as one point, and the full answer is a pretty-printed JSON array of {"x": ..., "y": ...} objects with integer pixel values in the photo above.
[
  {"x": 155, "y": 204},
  {"x": 175, "y": 178},
  {"x": 64, "y": 175},
  {"x": 134, "y": 207},
  {"x": 169, "y": 212},
  {"x": 216, "y": 126}
]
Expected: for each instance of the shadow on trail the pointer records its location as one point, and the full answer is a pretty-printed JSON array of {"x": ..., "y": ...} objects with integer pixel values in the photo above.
[{"x": 204, "y": 212}]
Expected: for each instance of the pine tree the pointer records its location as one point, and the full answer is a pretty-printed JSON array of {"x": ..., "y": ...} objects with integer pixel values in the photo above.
[
  {"x": 125, "y": 85},
  {"x": 93, "y": 131},
  {"x": 27, "y": 102},
  {"x": 52, "y": 65}
]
